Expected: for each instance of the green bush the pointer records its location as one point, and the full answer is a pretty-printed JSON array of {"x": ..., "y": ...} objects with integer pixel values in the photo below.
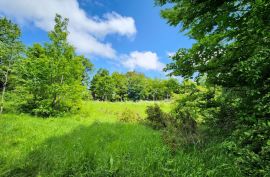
[
  {"x": 129, "y": 116},
  {"x": 156, "y": 117},
  {"x": 182, "y": 132},
  {"x": 178, "y": 129},
  {"x": 251, "y": 146}
]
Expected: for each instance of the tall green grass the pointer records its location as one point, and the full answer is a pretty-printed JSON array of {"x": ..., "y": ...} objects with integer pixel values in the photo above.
[{"x": 94, "y": 143}]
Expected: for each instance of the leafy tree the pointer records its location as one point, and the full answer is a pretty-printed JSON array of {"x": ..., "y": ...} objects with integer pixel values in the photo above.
[
  {"x": 232, "y": 49},
  {"x": 121, "y": 86},
  {"x": 10, "y": 52},
  {"x": 136, "y": 85},
  {"x": 102, "y": 86},
  {"x": 87, "y": 71},
  {"x": 156, "y": 90},
  {"x": 52, "y": 74},
  {"x": 196, "y": 101},
  {"x": 130, "y": 86},
  {"x": 171, "y": 86}
]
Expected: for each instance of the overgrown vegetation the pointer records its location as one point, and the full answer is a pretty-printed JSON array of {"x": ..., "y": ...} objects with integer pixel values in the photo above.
[
  {"x": 94, "y": 143},
  {"x": 232, "y": 51},
  {"x": 218, "y": 124}
]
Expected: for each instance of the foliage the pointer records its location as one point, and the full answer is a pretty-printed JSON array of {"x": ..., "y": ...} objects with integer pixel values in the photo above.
[
  {"x": 232, "y": 50},
  {"x": 195, "y": 105},
  {"x": 156, "y": 117},
  {"x": 10, "y": 53},
  {"x": 94, "y": 143},
  {"x": 52, "y": 75},
  {"x": 178, "y": 130},
  {"x": 131, "y": 86},
  {"x": 196, "y": 99},
  {"x": 129, "y": 116},
  {"x": 224, "y": 119},
  {"x": 102, "y": 86},
  {"x": 121, "y": 86},
  {"x": 136, "y": 85},
  {"x": 252, "y": 149}
]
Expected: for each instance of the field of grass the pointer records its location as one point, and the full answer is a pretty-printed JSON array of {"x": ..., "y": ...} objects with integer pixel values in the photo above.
[{"x": 94, "y": 143}]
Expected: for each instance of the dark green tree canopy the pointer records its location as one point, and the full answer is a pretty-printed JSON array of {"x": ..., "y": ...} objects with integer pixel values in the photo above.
[
  {"x": 232, "y": 50},
  {"x": 232, "y": 39},
  {"x": 232, "y": 45}
]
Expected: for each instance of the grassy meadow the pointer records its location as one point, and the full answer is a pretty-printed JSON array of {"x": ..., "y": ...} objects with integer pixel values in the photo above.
[{"x": 94, "y": 143}]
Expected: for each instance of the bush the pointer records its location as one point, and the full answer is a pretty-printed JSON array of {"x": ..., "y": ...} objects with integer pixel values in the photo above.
[
  {"x": 129, "y": 116},
  {"x": 179, "y": 128},
  {"x": 251, "y": 146},
  {"x": 156, "y": 117},
  {"x": 182, "y": 131}
]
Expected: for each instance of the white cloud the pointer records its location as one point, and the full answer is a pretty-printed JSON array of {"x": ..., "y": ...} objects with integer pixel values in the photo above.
[
  {"x": 86, "y": 33},
  {"x": 145, "y": 60}
]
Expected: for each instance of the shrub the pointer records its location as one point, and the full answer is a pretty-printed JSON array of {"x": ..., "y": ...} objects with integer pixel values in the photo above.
[
  {"x": 179, "y": 128},
  {"x": 251, "y": 146},
  {"x": 156, "y": 117},
  {"x": 129, "y": 116},
  {"x": 182, "y": 131}
]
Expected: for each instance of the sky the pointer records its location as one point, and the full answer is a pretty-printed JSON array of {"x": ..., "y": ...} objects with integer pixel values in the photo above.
[{"x": 117, "y": 35}]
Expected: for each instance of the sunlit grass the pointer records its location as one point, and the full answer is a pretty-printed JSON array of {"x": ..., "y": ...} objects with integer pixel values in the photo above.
[{"x": 94, "y": 143}]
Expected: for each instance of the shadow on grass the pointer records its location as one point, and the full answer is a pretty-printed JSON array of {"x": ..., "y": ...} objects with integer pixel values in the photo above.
[{"x": 102, "y": 149}]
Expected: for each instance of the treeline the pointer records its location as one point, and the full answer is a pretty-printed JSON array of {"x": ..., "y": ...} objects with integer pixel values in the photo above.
[
  {"x": 44, "y": 80},
  {"x": 131, "y": 86}
]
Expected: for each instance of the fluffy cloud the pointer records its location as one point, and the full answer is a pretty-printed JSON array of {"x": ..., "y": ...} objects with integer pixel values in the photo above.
[
  {"x": 145, "y": 60},
  {"x": 86, "y": 33}
]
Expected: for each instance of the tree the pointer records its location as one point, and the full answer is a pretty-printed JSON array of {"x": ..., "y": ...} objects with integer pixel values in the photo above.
[
  {"x": 130, "y": 86},
  {"x": 88, "y": 69},
  {"x": 53, "y": 74},
  {"x": 10, "y": 52},
  {"x": 171, "y": 86},
  {"x": 232, "y": 47},
  {"x": 121, "y": 86},
  {"x": 136, "y": 85},
  {"x": 156, "y": 90},
  {"x": 102, "y": 86},
  {"x": 232, "y": 50}
]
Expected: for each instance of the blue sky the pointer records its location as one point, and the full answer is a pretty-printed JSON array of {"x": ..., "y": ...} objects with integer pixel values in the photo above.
[{"x": 118, "y": 35}]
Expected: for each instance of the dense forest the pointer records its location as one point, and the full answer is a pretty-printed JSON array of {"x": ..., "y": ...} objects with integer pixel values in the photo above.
[{"x": 224, "y": 99}]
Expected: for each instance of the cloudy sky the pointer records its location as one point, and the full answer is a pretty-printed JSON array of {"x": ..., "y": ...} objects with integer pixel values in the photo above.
[{"x": 118, "y": 35}]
